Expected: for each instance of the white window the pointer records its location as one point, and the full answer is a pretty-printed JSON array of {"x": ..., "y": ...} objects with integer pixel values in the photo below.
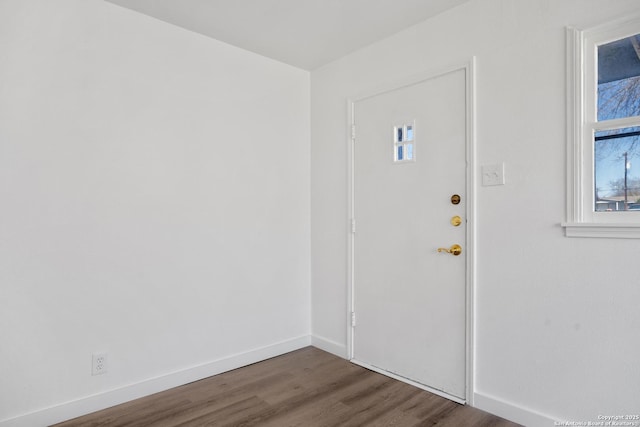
[
  {"x": 404, "y": 142},
  {"x": 603, "y": 101}
]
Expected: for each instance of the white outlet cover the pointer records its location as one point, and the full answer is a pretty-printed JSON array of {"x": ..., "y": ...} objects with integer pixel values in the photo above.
[
  {"x": 493, "y": 174},
  {"x": 99, "y": 363}
]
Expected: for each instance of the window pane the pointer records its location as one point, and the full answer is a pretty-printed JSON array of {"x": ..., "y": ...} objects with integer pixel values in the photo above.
[
  {"x": 409, "y": 151},
  {"x": 409, "y": 133},
  {"x": 617, "y": 169},
  {"x": 619, "y": 78},
  {"x": 400, "y": 149}
]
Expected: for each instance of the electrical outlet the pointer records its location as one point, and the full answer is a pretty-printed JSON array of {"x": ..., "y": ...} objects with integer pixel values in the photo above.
[{"x": 99, "y": 363}]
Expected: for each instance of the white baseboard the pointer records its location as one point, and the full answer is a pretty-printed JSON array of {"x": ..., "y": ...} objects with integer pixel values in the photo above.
[
  {"x": 89, "y": 404},
  {"x": 329, "y": 346},
  {"x": 511, "y": 411}
]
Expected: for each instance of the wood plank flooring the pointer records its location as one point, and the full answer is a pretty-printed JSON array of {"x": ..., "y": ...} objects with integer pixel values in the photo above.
[{"x": 305, "y": 388}]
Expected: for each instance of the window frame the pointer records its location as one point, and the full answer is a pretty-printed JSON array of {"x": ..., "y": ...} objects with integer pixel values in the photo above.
[
  {"x": 405, "y": 142},
  {"x": 581, "y": 219}
]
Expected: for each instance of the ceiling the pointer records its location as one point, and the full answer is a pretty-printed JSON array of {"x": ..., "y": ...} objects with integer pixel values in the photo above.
[{"x": 304, "y": 33}]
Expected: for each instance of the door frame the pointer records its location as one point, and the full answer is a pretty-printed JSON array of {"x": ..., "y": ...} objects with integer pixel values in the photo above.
[{"x": 471, "y": 182}]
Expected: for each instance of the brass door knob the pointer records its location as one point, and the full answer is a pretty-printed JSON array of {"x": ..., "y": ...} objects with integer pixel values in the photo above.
[{"x": 453, "y": 250}]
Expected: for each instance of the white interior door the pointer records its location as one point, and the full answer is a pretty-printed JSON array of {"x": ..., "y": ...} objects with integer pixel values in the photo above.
[{"x": 409, "y": 300}]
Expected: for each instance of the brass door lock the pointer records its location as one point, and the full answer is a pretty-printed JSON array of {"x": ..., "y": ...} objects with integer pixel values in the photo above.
[{"x": 453, "y": 250}]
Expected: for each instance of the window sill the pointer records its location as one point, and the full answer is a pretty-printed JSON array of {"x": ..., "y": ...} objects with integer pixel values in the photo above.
[{"x": 603, "y": 230}]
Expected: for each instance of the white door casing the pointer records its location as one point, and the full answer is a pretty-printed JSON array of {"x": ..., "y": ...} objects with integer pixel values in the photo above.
[{"x": 411, "y": 305}]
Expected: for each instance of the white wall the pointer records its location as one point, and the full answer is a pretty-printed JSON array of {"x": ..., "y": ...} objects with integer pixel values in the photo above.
[
  {"x": 154, "y": 204},
  {"x": 557, "y": 319}
]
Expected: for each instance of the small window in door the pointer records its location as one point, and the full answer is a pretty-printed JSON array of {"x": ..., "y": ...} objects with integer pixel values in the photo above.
[{"x": 403, "y": 143}]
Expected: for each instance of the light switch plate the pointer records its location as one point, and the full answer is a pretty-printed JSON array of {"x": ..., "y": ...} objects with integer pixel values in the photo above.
[{"x": 493, "y": 174}]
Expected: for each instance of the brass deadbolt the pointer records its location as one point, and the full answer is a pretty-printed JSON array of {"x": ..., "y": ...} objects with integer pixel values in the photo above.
[{"x": 456, "y": 221}]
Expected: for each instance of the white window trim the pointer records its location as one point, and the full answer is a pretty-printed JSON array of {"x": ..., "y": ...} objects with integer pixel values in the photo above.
[{"x": 581, "y": 220}]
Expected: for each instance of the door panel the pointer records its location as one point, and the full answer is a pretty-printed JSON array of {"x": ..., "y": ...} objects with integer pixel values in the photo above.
[{"x": 409, "y": 299}]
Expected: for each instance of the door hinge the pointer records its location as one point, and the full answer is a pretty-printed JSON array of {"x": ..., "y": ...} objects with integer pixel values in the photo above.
[
  {"x": 353, "y": 132},
  {"x": 353, "y": 319},
  {"x": 353, "y": 226}
]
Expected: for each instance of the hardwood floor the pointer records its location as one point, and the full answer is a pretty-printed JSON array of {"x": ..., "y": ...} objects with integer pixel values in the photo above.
[{"x": 307, "y": 387}]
